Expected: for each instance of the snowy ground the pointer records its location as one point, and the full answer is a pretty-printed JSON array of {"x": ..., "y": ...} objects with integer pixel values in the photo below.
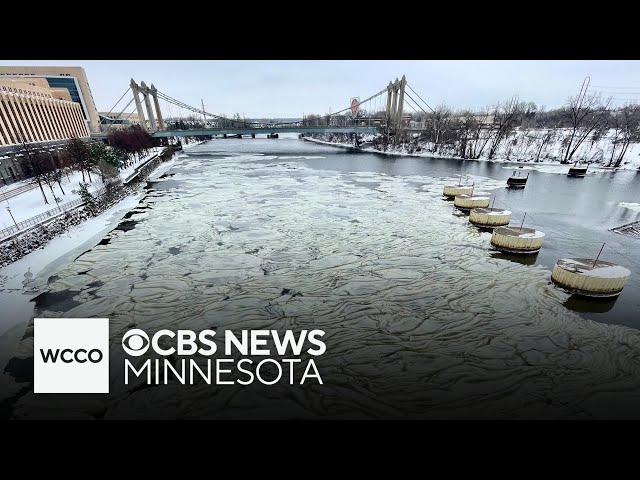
[
  {"x": 15, "y": 294},
  {"x": 31, "y": 203}
]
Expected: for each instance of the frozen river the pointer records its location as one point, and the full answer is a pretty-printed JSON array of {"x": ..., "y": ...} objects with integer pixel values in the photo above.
[{"x": 423, "y": 320}]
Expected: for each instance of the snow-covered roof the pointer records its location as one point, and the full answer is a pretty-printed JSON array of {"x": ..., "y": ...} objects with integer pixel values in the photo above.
[
  {"x": 585, "y": 266},
  {"x": 492, "y": 211},
  {"x": 523, "y": 232},
  {"x": 473, "y": 197}
]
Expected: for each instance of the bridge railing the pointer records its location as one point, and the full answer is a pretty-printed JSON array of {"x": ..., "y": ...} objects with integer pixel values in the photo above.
[
  {"x": 334, "y": 122},
  {"x": 44, "y": 216}
]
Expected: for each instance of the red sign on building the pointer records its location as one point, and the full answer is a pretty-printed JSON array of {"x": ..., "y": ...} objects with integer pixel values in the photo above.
[{"x": 355, "y": 105}]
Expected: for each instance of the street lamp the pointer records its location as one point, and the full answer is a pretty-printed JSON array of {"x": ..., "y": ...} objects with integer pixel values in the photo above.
[{"x": 9, "y": 210}]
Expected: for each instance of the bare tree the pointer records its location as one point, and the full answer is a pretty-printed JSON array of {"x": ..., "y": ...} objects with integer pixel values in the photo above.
[
  {"x": 546, "y": 138},
  {"x": 582, "y": 115},
  {"x": 485, "y": 129},
  {"x": 439, "y": 122},
  {"x": 43, "y": 164},
  {"x": 80, "y": 155},
  {"x": 466, "y": 126},
  {"x": 506, "y": 116},
  {"x": 625, "y": 124},
  {"x": 109, "y": 174},
  {"x": 57, "y": 173},
  {"x": 523, "y": 141},
  {"x": 30, "y": 167}
]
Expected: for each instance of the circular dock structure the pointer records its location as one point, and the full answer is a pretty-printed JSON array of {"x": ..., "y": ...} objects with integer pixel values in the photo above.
[
  {"x": 517, "y": 239},
  {"x": 451, "y": 191},
  {"x": 586, "y": 277},
  {"x": 489, "y": 217},
  {"x": 469, "y": 202},
  {"x": 517, "y": 181},
  {"x": 577, "y": 171}
]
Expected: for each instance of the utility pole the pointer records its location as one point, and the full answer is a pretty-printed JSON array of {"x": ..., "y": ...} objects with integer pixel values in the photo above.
[
  {"x": 596, "y": 260},
  {"x": 204, "y": 118}
]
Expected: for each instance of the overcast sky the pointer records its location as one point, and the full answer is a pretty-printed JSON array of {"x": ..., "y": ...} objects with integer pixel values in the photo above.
[{"x": 289, "y": 88}]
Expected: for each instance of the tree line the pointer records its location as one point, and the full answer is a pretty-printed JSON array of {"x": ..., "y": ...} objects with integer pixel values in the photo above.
[
  {"x": 125, "y": 147},
  {"x": 471, "y": 134}
]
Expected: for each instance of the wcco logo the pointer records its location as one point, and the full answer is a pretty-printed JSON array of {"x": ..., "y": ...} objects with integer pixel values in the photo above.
[
  {"x": 71, "y": 355},
  {"x": 81, "y": 355}
]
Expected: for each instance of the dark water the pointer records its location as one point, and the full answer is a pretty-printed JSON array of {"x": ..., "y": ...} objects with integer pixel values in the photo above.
[{"x": 422, "y": 319}]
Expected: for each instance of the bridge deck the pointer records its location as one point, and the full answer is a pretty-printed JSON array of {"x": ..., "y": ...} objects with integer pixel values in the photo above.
[{"x": 263, "y": 131}]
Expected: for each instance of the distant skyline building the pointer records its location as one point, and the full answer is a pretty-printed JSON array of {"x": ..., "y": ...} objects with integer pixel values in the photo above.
[
  {"x": 125, "y": 119},
  {"x": 32, "y": 112},
  {"x": 73, "y": 79}
]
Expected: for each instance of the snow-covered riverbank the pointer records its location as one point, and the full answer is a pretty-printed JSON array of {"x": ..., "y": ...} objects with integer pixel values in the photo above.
[
  {"x": 23, "y": 279},
  {"x": 519, "y": 150}
]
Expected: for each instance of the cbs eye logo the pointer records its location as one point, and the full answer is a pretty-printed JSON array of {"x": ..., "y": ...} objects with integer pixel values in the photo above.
[{"x": 135, "y": 342}]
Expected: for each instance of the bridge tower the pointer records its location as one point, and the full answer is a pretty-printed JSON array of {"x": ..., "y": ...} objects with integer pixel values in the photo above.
[
  {"x": 389, "y": 101},
  {"x": 152, "y": 118},
  {"x": 146, "y": 92},
  {"x": 154, "y": 94},
  {"x": 135, "y": 90},
  {"x": 400, "y": 107},
  {"x": 395, "y": 103}
]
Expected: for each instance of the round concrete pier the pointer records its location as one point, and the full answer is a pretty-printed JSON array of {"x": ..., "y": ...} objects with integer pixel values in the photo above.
[
  {"x": 489, "y": 217},
  {"x": 517, "y": 240},
  {"x": 468, "y": 202},
  {"x": 580, "y": 276},
  {"x": 451, "y": 191}
]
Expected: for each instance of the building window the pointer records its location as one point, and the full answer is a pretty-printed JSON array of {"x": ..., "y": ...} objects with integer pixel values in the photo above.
[{"x": 70, "y": 85}]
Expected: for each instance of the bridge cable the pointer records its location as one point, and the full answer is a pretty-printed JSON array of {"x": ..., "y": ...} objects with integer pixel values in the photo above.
[
  {"x": 409, "y": 103},
  {"x": 127, "y": 106},
  {"x": 118, "y": 101},
  {"x": 181, "y": 104},
  {"x": 417, "y": 103},
  {"x": 169, "y": 108},
  {"x": 363, "y": 101},
  {"x": 202, "y": 112},
  {"x": 432, "y": 110}
]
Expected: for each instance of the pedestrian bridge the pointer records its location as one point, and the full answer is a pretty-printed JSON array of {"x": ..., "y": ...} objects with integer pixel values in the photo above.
[
  {"x": 264, "y": 131},
  {"x": 369, "y": 116}
]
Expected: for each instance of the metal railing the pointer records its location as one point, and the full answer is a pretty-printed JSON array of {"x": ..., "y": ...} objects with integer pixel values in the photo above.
[
  {"x": 631, "y": 229},
  {"x": 364, "y": 121},
  {"x": 13, "y": 192},
  {"x": 44, "y": 216},
  {"x": 136, "y": 170}
]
